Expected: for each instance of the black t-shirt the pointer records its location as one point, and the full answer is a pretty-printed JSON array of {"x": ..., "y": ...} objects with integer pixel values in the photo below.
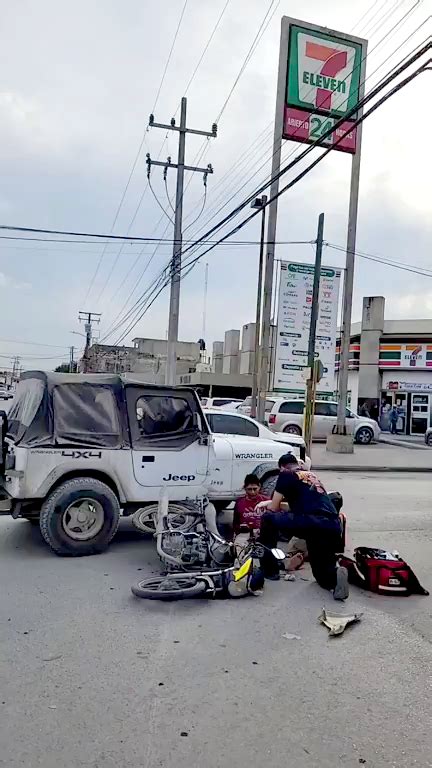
[{"x": 305, "y": 494}]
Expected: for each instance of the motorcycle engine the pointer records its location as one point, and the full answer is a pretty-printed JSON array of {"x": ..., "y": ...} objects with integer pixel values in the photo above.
[{"x": 189, "y": 548}]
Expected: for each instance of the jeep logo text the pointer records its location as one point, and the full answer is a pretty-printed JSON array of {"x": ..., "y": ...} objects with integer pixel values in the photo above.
[{"x": 176, "y": 478}]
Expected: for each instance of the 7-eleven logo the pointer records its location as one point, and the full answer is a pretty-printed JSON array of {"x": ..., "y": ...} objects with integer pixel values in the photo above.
[
  {"x": 323, "y": 71},
  {"x": 326, "y": 83}
]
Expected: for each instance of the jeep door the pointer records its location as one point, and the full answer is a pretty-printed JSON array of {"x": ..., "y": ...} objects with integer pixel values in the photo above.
[{"x": 170, "y": 441}]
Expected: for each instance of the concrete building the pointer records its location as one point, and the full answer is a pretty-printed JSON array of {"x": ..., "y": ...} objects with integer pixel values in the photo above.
[
  {"x": 147, "y": 357},
  {"x": 391, "y": 364}
]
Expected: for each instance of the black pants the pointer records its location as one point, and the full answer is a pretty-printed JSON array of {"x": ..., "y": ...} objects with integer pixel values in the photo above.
[
  {"x": 323, "y": 539},
  {"x": 393, "y": 427}
]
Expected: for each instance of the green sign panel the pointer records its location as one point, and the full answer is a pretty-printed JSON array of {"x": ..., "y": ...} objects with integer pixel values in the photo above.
[{"x": 323, "y": 72}]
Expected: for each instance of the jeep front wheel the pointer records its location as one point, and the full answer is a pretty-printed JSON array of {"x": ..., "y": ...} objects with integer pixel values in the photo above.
[{"x": 80, "y": 517}]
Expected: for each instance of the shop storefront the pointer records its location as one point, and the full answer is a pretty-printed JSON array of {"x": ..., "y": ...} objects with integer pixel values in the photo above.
[{"x": 411, "y": 393}]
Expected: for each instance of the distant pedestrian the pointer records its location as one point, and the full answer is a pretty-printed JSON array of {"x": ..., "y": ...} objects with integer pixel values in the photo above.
[
  {"x": 364, "y": 410},
  {"x": 394, "y": 416}
]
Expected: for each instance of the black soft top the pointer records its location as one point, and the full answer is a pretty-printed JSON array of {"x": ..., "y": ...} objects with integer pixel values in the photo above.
[{"x": 89, "y": 409}]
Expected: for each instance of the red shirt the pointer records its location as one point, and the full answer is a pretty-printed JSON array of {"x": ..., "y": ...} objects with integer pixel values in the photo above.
[{"x": 245, "y": 514}]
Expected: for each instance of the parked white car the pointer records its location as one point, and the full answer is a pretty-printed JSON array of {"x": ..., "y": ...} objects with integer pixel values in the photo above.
[
  {"x": 287, "y": 416},
  {"x": 224, "y": 403},
  {"x": 246, "y": 406},
  {"x": 239, "y": 424}
]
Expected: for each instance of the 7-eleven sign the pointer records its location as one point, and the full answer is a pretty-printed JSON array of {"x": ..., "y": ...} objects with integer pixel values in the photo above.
[
  {"x": 323, "y": 83},
  {"x": 323, "y": 72}
]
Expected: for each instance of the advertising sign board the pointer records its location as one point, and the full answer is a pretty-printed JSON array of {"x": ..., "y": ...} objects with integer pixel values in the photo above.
[{"x": 294, "y": 312}]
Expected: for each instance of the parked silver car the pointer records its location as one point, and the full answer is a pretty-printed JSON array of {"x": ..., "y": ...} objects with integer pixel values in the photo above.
[{"x": 287, "y": 416}]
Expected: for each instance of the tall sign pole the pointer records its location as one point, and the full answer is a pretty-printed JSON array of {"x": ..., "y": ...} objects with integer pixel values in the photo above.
[
  {"x": 341, "y": 442},
  {"x": 320, "y": 80}
]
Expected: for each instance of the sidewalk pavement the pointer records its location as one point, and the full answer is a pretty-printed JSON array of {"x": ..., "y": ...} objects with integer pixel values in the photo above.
[
  {"x": 378, "y": 457},
  {"x": 416, "y": 442}
]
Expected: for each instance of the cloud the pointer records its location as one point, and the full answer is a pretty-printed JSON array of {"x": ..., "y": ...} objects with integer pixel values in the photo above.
[{"x": 75, "y": 110}]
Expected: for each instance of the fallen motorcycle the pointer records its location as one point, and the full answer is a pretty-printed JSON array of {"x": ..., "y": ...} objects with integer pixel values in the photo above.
[{"x": 198, "y": 560}]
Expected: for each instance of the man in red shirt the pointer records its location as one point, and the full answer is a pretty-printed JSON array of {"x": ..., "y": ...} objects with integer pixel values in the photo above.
[{"x": 245, "y": 512}]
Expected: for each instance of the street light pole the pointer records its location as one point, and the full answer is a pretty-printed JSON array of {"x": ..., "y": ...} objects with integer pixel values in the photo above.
[{"x": 256, "y": 408}]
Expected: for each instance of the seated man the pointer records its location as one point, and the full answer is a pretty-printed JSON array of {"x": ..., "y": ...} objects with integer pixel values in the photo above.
[
  {"x": 245, "y": 508},
  {"x": 248, "y": 511},
  {"x": 311, "y": 516}
]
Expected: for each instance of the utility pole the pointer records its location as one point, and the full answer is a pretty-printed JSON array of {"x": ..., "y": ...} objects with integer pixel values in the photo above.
[
  {"x": 173, "y": 320},
  {"x": 88, "y": 318},
  {"x": 15, "y": 369},
  {"x": 260, "y": 202},
  {"x": 71, "y": 360},
  {"x": 271, "y": 226},
  {"x": 311, "y": 381}
]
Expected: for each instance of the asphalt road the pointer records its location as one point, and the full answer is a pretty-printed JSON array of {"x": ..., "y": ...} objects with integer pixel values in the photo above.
[{"x": 92, "y": 677}]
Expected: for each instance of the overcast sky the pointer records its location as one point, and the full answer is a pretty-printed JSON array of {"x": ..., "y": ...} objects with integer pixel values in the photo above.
[{"x": 78, "y": 81}]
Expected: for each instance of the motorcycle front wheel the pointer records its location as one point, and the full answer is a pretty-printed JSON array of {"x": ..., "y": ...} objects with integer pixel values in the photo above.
[{"x": 168, "y": 588}]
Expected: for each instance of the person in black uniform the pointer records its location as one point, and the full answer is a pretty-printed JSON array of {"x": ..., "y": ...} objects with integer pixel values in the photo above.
[{"x": 301, "y": 507}]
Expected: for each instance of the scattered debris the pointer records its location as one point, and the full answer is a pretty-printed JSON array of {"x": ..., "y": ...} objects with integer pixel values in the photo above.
[
  {"x": 255, "y": 662},
  {"x": 176, "y": 641},
  {"x": 289, "y": 636},
  {"x": 362, "y": 760},
  {"x": 184, "y": 733},
  {"x": 52, "y": 706},
  {"x": 161, "y": 683},
  {"x": 53, "y": 658},
  {"x": 337, "y": 622},
  {"x": 289, "y": 577}
]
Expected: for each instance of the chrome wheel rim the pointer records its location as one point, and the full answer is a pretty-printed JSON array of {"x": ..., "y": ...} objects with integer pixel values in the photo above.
[
  {"x": 83, "y": 519},
  {"x": 364, "y": 436}
]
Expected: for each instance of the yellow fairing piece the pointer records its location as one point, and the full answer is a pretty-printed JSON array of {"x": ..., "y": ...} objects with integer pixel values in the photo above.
[{"x": 244, "y": 570}]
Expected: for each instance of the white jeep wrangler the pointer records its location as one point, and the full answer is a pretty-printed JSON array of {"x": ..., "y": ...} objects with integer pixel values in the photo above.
[{"x": 77, "y": 451}]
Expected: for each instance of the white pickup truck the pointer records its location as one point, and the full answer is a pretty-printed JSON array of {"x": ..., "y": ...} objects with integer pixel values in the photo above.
[{"x": 78, "y": 451}]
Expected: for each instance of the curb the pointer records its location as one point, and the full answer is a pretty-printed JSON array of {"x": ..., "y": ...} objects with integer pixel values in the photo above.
[
  {"x": 367, "y": 469},
  {"x": 404, "y": 444}
]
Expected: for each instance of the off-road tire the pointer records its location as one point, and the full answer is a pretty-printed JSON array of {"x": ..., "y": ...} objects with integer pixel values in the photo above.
[
  {"x": 269, "y": 484},
  {"x": 57, "y": 502}
]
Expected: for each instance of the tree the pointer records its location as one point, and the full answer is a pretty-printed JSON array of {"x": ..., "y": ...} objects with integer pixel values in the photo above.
[{"x": 64, "y": 368}]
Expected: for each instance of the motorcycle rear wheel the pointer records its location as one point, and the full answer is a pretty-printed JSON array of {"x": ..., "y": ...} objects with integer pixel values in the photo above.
[{"x": 168, "y": 588}]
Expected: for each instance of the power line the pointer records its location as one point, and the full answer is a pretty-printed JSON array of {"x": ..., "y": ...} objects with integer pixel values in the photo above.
[
  {"x": 134, "y": 164},
  {"x": 374, "y": 92},
  {"x": 249, "y": 55},
  {"x": 389, "y": 34},
  {"x": 415, "y": 269},
  {"x": 251, "y": 51},
  {"x": 386, "y": 37},
  {"x": 34, "y": 343},
  {"x": 366, "y": 14},
  {"x": 206, "y": 47},
  {"x": 170, "y": 54}
]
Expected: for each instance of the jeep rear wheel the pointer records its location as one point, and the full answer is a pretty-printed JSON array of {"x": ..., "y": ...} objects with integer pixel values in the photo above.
[{"x": 80, "y": 517}]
